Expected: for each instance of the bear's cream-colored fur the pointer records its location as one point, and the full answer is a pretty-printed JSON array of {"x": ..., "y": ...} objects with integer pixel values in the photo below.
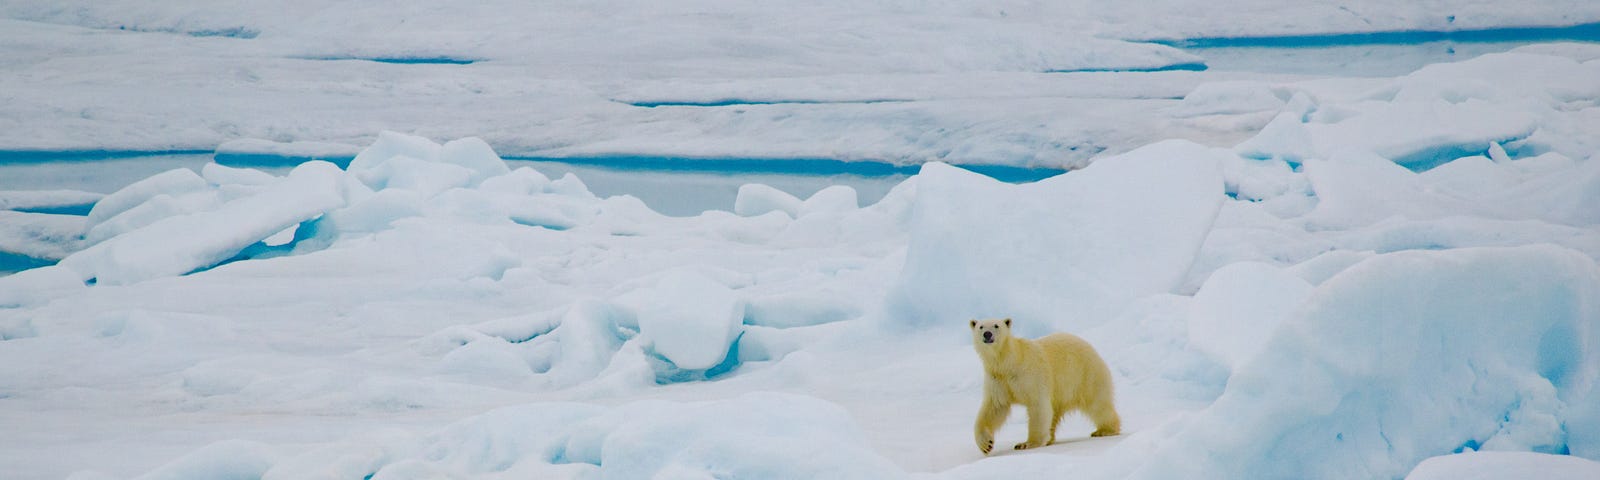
[{"x": 1050, "y": 376}]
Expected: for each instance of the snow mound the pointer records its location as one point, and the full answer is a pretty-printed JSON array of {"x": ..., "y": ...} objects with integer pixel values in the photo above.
[
  {"x": 1062, "y": 252},
  {"x": 1406, "y": 356},
  {"x": 1239, "y": 306},
  {"x": 1500, "y": 465},
  {"x": 226, "y": 460},
  {"x": 756, "y": 435}
]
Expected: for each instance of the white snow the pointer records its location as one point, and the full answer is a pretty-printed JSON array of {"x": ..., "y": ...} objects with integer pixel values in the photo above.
[
  {"x": 756, "y": 199},
  {"x": 1386, "y": 363},
  {"x": 690, "y": 319},
  {"x": 39, "y": 235},
  {"x": 1491, "y": 465},
  {"x": 183, "y": 242},
  {"x": 247, "y": 147},
  {"x": 1345, "y": 272},
  {"x": 171, "y": 183},
  {"x": 1059, "y": 253},
  {"x": 1239, "y": 308},
  {"x": 38, "y": 199}
]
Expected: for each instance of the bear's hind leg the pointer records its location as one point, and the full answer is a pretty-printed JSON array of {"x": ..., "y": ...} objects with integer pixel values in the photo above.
[{"x": 1105, "y": 418}]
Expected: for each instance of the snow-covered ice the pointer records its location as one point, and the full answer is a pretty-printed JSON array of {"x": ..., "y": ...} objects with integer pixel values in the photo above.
[
  {"x": 1488, "y": 465},
  {"x": 1335, "y": 274}
]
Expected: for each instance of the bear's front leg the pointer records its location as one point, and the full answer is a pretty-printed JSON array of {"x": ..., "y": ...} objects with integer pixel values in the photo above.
[
  {"x": 990, "y": 416},
  {"x": 1039, "y": 418}
]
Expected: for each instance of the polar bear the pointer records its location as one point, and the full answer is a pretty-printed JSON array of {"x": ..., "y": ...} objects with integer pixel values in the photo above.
[{"x": 1053, "y": 375}]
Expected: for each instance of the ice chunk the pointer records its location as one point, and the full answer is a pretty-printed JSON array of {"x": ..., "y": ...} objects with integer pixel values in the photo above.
[
  {"x": 1501, "y": 465},
  {"x": 1230, "y": 98},
  {"x": 48, "y": 201},
  {"x": 1422, "y": 134},
  {"x": 588, "y": 337},
  {"x": 181, "y": 244},
  {"x": 1285, "y": 137},
  {"x": 1239, "y": 307},
  {"x": 833, "y": 198},
  {"x": 405, "y": 161},
  {"x": 39, "y": 235},
  {"x": 1065, "y": 252},
  {"x": 422, "y": 176},
  {"x": 1357, "y": 189},
  {"x": 390, "y": 145},
  {"x": 1406, "y": 356},
  {"x": 173, "y": 182},
  {"x": 475, "y": 155},
  {"x": 756, "y": 199},
  {"x": 155, "y": 209},
  {"x": 570, "y": 185},
  {"x": 1254, "y": 179},
  {"x": 521, "y": 181},
  {"x": 690, "y": 319},
  {"x": 376, "y": 212},
  {"x": 219, "y": 174}
]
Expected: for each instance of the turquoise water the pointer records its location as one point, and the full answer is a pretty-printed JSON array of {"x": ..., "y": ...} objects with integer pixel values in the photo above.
[{"x": 1370, "y": 54}]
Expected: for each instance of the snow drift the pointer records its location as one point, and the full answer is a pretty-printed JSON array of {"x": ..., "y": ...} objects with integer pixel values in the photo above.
[
  {"x": 1407, "y": 356},
  {"x": 1062, "y": 253}
]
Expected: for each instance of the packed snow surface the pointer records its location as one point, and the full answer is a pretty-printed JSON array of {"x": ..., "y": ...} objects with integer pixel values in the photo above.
[{"x": 1291, "y": 276}]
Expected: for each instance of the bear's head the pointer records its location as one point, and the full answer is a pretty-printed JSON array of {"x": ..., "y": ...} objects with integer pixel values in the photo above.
[{"x": 990, "y": 332}]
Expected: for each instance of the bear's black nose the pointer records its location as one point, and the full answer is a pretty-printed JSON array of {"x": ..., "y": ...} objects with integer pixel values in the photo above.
[{"x": 988, "y": 337}]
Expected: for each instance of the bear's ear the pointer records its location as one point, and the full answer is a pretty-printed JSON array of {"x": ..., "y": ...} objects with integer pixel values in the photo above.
[
  {"x": 1008, "y": 322},
  {"x": 974, "y": 324}
]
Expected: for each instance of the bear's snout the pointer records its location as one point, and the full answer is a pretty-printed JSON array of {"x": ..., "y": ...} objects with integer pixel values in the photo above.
[{"x": 988, "y": 337}]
